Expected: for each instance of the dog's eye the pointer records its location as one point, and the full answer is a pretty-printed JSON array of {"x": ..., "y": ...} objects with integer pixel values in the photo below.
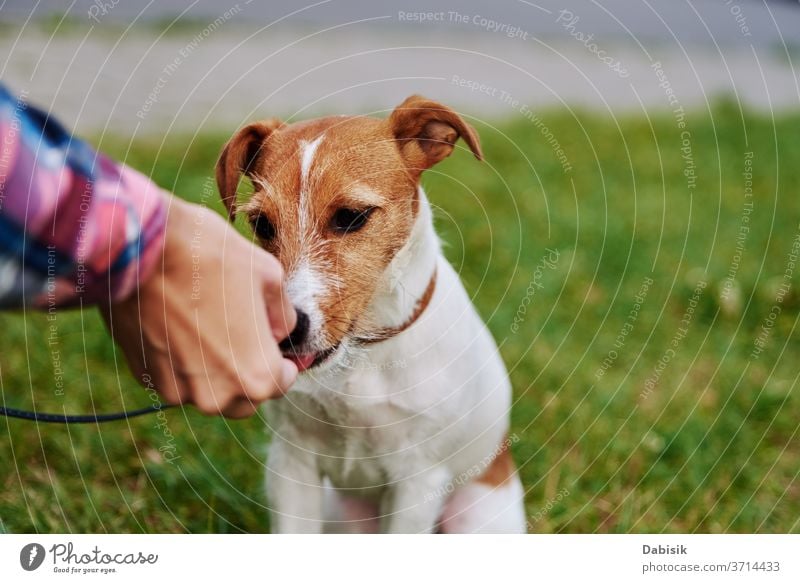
[
  {"x": 350, "y": 220},
  {"x": 263, "y": 227}
]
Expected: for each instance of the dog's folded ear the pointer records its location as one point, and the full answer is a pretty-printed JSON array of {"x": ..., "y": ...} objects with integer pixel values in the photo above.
[
  {"x": 239, "y": 157},
  {"x": 426, "y": 132}
]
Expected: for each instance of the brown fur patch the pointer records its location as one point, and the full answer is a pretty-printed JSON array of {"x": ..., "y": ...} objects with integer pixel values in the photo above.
[
  {"x": 360, "y": 161},
  {"x": 500, "y": 471},
  {"x": 427, "y": 131}
]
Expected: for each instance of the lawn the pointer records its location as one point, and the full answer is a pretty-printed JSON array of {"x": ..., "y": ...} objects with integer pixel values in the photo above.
[{"x": 639, "y": 287}]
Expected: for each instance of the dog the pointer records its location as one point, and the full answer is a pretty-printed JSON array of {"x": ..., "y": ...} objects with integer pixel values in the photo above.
[{"x": 399, "y": 420}]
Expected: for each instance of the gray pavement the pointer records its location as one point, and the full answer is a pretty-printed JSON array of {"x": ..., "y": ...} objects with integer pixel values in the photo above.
[{"x": 222, "y": 64}]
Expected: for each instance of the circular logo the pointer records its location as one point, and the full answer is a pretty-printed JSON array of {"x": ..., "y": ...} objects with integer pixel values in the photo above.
[{"x": 31, "y": 556}]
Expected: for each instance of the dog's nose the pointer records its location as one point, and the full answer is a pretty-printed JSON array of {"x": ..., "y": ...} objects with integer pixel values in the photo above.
[{"x": 294, "y": 340}]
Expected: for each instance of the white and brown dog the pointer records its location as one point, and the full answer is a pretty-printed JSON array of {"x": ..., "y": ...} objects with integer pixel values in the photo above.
[{"x": 399, "y": 421}]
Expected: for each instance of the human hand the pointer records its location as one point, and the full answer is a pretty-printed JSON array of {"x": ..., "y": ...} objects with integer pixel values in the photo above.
[{"x": 205, "y": 325}]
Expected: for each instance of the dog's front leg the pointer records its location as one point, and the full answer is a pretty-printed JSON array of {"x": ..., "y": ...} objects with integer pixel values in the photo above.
[
  {"x": 294, "y": 490},
  {"x": 414, "y": 505}
]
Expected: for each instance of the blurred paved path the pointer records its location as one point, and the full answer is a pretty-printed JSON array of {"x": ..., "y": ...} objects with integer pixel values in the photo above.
[{"x": 225, "y": 69}]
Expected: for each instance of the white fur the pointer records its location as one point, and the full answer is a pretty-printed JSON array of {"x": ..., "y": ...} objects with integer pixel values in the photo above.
[
  {"x": 376, "y": 435},
  {"x": 307, "y": 152},
  {"x": 306, "y": 284},
  {"x": 305, "y": 288}
]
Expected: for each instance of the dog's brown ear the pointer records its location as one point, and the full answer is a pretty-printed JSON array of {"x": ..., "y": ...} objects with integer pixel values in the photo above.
[
  {"x": 426, "y": 132},
  {"x": 239, "y": 156}
]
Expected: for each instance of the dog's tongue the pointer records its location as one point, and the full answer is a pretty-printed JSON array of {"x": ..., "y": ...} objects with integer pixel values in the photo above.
[{"x": 303, "y": 361}]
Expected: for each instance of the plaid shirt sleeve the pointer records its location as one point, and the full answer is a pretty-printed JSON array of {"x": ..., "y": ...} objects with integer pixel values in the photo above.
[{"x": 75, "y": 226}]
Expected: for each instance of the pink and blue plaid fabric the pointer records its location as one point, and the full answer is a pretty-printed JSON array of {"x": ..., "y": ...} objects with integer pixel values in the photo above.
[{"x": 75, "y": 226}]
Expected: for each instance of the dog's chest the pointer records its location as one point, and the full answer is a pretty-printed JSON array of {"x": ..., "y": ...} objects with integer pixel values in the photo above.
[{"x": 358, "y": 441}]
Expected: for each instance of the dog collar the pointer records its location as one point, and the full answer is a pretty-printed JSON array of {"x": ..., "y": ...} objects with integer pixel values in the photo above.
[{"x": 392, "y": 331}]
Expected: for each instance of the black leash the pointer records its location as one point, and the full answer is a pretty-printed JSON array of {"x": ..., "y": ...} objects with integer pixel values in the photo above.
[{"x": 96, "y": 418}]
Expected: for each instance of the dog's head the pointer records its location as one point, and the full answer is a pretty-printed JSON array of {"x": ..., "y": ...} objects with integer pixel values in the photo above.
[{"x": 334, "y": 200}]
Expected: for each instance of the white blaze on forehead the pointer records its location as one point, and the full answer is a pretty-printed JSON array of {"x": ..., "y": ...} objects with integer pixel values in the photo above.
[
  {"x": 307, "y": 152},
  {"x": 305, "y": 287}
]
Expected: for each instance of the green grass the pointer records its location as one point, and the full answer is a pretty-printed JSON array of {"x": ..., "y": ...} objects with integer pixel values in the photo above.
[{"x": 713, "y": 448}]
